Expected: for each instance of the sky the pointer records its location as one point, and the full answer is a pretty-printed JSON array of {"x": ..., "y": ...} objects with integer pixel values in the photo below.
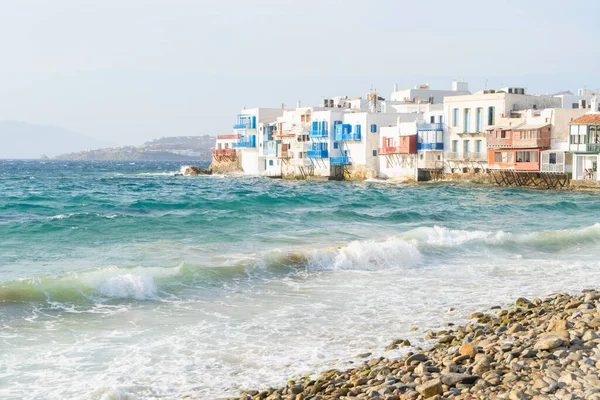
[{"x": 127, "y": 71}]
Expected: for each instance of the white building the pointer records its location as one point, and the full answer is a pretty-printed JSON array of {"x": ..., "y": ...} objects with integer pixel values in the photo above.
[
  {"x": 468, "y": 117},
  {"x": 250, "y": 127},
  {"x": 584, "y": 143},
  {"x": 583, "y": 99}
]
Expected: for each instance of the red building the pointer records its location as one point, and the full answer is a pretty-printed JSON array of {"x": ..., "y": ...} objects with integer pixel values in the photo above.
[
  {"x": 407, "y": 145},
  {"x": 517, "y": 147}
]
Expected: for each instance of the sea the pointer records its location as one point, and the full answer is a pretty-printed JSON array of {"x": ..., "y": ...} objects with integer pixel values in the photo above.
[{"x": 121, "y": 280}]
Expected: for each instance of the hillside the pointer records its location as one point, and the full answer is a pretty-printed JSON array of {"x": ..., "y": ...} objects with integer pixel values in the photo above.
[
  {"x": 21, "y": 140},
  {"x": 177, "y": 148}
]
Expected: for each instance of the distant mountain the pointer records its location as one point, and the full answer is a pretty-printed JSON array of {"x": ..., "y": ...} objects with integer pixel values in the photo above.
[
  {"x": 23, "y": 140},
  {"x": 175, "y": 148}
]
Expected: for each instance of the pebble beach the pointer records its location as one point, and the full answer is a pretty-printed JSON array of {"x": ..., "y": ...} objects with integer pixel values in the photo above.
[{"x": 542, "y": 348}]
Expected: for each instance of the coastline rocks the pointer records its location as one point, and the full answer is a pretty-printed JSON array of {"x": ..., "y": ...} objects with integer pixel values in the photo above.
[
  {"x": 193, "y": 170},
  {"x": 547, "y": 348}
]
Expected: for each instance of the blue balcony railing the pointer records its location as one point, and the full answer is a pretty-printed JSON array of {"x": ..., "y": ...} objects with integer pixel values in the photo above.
[
  {"x": 344, "y": 132},
  {"x": 324, "y": 133},
  {"x": 430, "y": 127},
  {"x": 344, "y": 160},
  {"x": 430, "y": 146},
  {"x": 245, "y": 142},
  {"x": 318, "y": 130},
  {"x": 317, "y": 154},
  {"x": 349, "y": 136},
  {"x": 245, "y": 122}
]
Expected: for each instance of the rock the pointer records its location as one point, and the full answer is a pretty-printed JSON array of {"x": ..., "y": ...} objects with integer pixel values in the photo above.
[
  {"x": 467, "y": 349},
  {"x": 416, "y": 357},
  {"x": 523, "y": 302},
  {"x": 548, "y": 343},
  {"x": 559, "y": 326},
  {"x": 193, "y": 170},
  {"x": 430, "y": 388},
  {"x": 452, "y": 379},
  {"x": 363, "y": 355},
  {"x": 589, "y": 335}
]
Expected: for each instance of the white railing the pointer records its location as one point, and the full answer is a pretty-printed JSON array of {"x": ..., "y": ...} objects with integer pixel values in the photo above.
[
  {"x": 552, "y": 168},
  {"x": 300, "y": 146}
]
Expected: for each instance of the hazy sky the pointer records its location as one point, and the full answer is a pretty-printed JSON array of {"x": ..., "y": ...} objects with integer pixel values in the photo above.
[{"x": 130, "y": 70}]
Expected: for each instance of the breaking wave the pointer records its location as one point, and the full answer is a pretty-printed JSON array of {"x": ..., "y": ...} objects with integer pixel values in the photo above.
[{"x": 408, "y": 250}]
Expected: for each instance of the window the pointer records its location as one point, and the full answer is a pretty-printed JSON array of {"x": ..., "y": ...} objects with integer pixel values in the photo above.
[
  {"x": 432, "y": 119},
  {"x": 519, "y": 156},
  {"x": 373, "y": 128},
  {"x": 455, "y": 146},
  {"x": 271, "y": 163},
  {"x": 574, "y": 105},
  {"x": 374, "y": 153},
  {"x": 336, "y": 145},
  {"x": 534, "y": 156},
  {"x": 497, "y": 156},
  {"x": 491, "y": 115},
  {"x": 455, "y": 117},
  {"x": 479, "y": 120},
  {"x": 478, "y": 146},
  {"x": 552, "y": 158},
  {"x": 467, "y": 120},
  {"x": 467, "y": 146}
]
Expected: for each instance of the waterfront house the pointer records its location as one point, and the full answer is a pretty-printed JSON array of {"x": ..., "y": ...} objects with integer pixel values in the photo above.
[
  {"x": 469, "y": 117},
  {"x": 250, "y": 126},
  {"x": 224, "y": 150},
  {"x": 397, "y": 153},
  {"x": 584, "y": 143}
]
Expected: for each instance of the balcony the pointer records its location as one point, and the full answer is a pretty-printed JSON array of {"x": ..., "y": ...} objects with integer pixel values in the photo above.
[
  {"x": 318, "y": 129},
  {"x": 430, "y": 127},
  {"x": 300, "y": 146},
  {"x": 468, "y": 155},
  {"x": 317, "y": 154},
  {"x": 495, "y": 142},
  {"x": 430, "y": 146},
  {"x": 219, "y": 153},
  {"x": 245, "y": 122},
  {"x": 388, "y": 150},
  {"x": 245, "y": 142},
  {"x": 344, "y": 132},
  {"x": 301, "y": 162},
  {"x": 344, "y": 160},
  {"x": 531, "y": 143}
]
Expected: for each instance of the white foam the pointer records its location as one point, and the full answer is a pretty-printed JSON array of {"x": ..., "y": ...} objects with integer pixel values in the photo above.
[
  {"x": 135, "y": 283},
  {"x": 367, "y": 255}
]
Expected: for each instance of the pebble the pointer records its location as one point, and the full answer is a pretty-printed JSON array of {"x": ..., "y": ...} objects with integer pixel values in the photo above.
[{"x": 543, "y": 349}]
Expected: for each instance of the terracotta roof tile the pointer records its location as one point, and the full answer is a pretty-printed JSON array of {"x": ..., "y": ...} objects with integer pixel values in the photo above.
[{"x": 587, "y": 119}]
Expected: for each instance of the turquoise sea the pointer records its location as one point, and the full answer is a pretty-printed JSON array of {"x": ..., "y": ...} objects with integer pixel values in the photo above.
[{"x": 122, "y": 281}]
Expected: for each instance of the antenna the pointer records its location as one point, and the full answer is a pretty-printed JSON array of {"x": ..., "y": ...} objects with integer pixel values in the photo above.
[{"x": 486, "y": 83}]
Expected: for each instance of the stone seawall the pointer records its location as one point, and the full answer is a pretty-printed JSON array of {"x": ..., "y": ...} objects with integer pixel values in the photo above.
[{"x": 226, "y": 167}]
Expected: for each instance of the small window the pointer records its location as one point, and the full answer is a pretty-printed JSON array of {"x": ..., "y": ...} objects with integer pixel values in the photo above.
[
  {"x": 574, "y": 105},
  {"x": 336, "y": 145},
  {"x": 497, "y": 157},
  {"x": 455, "y": 119},
  {"x": 432, "y": 119},
  {"x": 552, "y": 158},
  {"x": 373, "y": 128},
  {"x": 374, "y": 153},
  {"x": 271, "y": 162}
]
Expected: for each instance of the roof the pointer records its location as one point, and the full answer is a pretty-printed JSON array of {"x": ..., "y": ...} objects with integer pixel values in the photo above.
[
  {"x": 531, "y": 127},
  {"x": 587, "y": 119},
  {"x": 503, "y": 127}
]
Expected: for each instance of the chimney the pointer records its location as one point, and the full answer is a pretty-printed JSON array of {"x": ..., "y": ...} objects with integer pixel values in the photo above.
[
  {"x": 395, "y": 87},
  {"x": 298, "y": 104}
]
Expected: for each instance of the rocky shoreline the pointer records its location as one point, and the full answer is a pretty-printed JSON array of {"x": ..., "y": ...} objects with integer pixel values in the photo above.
[{"x": 546, "y": 348}]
